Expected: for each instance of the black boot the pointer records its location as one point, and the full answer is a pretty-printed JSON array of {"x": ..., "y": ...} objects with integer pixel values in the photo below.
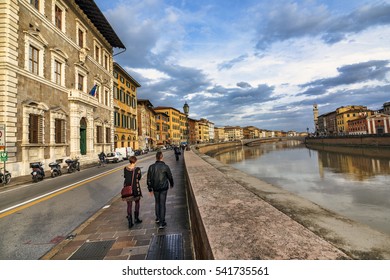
[
  {"x": 136, "y": 218},
  {"x": 130, "y": 219}
]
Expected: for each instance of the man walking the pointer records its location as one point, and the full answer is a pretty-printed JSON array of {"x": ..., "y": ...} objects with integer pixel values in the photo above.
[{"x": 159, "y": 179}]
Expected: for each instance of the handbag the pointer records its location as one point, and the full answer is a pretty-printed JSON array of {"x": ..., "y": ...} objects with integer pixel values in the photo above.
[{"x": 127, "y": 191}]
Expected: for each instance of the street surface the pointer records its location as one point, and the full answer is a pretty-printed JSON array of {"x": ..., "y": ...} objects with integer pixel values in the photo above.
[{"x": 34, "y": 217}]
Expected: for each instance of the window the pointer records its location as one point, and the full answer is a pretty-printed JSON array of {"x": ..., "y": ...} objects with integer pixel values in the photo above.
[
  {"x": 35, "y": 4},
  {"x": 108, "y": 135},
  {"x": 35, "y": 47},
  {"x": 59, "y": 129},
  {"x": 80, "y": 38},
  {"x": 106, "y": 64},
  {"x": 58, "y": 17},
  {"x": 33, "y": 135},
  {"x": 97, "y": 53},
  {"x": 106, "y": 94},
  {"x": 99, "y": 134},
  {"x": 116, "y": 75},
  {"x": 116, "y": 119},
  {"x": 81, "y": 34},
  {"x": 57, "y": 72},
  {"x": 58, "y": 62},
  {"x": 124, "y": 121},
  {"x": 80, "y": 82},
  {"x": 122, "y": 79},
  {"x": 115, "y": 89},
  {"x": 33, "y": 65}
]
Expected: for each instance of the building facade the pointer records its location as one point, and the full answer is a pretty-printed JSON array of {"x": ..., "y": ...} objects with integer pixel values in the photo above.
[
  {"x": 56, "y": 72},
  {"x": 348, "y": 113},
  {"x": 234, "y": 133},
  {"x": 378, "y": 124},
  {"x": 125, "y": 106},
  {"x": 146, "y": 124},
  {"x": 175, "y": 124},
  {"x": 162, "y": 129}
]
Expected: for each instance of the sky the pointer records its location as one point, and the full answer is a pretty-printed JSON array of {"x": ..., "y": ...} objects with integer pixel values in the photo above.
[{"x": 255, "y": 62}]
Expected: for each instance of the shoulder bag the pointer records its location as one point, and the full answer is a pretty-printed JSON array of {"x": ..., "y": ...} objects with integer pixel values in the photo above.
[{"x": 127, "y": 191}]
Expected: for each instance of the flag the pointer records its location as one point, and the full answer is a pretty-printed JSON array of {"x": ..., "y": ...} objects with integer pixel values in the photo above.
[{"x": 93, "y": 90}]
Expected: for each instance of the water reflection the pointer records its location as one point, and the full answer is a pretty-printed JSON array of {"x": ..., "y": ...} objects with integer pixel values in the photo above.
[{"x": 350, "y": 181}]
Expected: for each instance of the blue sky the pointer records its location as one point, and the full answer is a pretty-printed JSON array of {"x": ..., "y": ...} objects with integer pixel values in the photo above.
[{"x": 255, "y": 62}]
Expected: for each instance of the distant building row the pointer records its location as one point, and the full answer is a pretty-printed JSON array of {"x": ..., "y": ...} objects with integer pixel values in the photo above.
[{"x": 352, "y": 120}]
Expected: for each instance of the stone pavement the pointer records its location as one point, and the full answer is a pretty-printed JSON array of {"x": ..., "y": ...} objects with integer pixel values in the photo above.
[{"x": 106, "y": 234}]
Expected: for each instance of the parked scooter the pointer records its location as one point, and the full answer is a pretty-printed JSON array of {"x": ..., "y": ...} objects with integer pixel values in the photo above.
[
  {"x": 55, "y": 169},
  {"x": 38, "y": 173},
  {"x": 5, "y": 177},
  {"x": 73, "y": 165}
]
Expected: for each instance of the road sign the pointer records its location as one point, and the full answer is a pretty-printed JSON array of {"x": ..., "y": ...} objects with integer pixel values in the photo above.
[
  {"x": 2, "y": 135},
  {"x": 3, "y": 155}
]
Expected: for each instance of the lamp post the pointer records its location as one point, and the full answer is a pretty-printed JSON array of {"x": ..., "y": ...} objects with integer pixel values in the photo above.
[{"x": 186, "y": 110}]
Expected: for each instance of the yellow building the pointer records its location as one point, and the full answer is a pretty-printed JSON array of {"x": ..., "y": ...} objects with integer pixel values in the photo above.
[
  {"x": 220, "y": 135},
  {"x": 162, "y": 128},
  {"x": 125, "y": 109},
  {"x": 175, "y": 124},
  {"x": 234, "y": 133},
  {"x": 349, "y": 113},
  {"x": 203, "y": 132},
  {"x": 251, "y": 132}
]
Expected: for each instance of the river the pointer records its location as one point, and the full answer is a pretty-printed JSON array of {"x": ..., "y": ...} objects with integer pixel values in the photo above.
[{"x": 352, "y": 182}]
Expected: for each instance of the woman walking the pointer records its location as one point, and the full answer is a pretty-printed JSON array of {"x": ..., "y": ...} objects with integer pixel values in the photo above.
[{"x": 132, "y": 176}]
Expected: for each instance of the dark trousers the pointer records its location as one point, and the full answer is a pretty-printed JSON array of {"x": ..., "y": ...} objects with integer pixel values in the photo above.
[{"x": 160, "y": 199}]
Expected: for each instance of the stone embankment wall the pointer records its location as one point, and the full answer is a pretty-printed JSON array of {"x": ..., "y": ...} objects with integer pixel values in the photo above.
[
  {"x": 236, "y": 216},
  {"x": 352, "y": 140}
]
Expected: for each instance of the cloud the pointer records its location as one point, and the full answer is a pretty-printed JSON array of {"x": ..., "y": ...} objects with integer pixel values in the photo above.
[
  {"x": 350, "y": 74},
  {"x": 229, "y": 64},
  {"x": 292, "y": 21},
  {"x": 244, "y": 85}
]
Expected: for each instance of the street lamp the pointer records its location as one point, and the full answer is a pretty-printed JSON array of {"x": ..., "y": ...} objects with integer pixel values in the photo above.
[{"x": 186, "y": 110}]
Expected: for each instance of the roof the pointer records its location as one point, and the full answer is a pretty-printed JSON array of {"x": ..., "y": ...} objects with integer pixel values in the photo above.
[
  {"x": 165, "y": 108},
  {"x": 128, "y": 76},
  {"x": 93, "y": 12},
  {"x": 146, "y": 102}
]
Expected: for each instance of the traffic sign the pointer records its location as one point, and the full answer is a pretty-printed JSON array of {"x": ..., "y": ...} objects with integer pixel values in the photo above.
[{"x": 3, "y": 155}]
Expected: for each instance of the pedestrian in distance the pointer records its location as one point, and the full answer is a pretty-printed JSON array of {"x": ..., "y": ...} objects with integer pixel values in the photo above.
[
  {"x": 159, "y": 179},
  {"x": 177, "y": 152},
  {"x": 133, "y": 176},
  {"x": 102, "y": 159}
]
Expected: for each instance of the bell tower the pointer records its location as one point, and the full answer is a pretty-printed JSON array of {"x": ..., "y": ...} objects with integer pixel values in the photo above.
[{"x": 315, "y": 115}]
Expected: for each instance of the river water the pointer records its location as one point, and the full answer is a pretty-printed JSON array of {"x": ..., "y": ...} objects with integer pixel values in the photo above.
[{"x": 352, "y": 182}]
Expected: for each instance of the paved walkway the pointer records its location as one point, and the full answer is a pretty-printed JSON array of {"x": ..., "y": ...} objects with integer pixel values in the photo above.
[{"x": 106, "y": 235}]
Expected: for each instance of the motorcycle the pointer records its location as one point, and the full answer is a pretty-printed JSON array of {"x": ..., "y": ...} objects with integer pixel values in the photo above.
[
  {"x": 73, "y": 165},
  {"x": 5, "y": 177},
  {"x": 55, "y": 169},
  {"x": 38, "y": 173}
]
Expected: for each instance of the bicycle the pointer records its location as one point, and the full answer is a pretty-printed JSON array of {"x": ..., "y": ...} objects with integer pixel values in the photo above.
[{"x": 5, "y": 177}]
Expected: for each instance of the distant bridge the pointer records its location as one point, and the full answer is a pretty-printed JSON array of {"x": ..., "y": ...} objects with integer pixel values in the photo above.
[{"x": 250, "y": 142}]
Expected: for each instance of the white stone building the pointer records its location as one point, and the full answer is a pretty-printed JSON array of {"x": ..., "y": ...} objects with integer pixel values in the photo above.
[{"x": 52, "y": 54}]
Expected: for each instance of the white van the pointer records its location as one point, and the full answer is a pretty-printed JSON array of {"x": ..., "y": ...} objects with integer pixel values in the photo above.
[{"x": 125, "y": 151}]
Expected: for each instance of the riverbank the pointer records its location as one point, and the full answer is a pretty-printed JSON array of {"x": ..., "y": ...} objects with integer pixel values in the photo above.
[
  {"x": 356, "y": 240},
  {"x": 366, "y": 141}
]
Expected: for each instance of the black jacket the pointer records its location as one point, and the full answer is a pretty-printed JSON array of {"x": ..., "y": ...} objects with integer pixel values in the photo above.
[{"x": 159, "y": 177}]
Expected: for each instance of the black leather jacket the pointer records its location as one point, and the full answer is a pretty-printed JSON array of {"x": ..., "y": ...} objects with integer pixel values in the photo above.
[{"x": 159, "y": 177}]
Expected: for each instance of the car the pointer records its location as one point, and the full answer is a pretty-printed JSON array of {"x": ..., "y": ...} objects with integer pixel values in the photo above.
[{"x": 114, "y": 157}]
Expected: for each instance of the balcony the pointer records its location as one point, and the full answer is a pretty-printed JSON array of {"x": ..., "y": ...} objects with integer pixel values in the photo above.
[{"x": 82, "y": 97}]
